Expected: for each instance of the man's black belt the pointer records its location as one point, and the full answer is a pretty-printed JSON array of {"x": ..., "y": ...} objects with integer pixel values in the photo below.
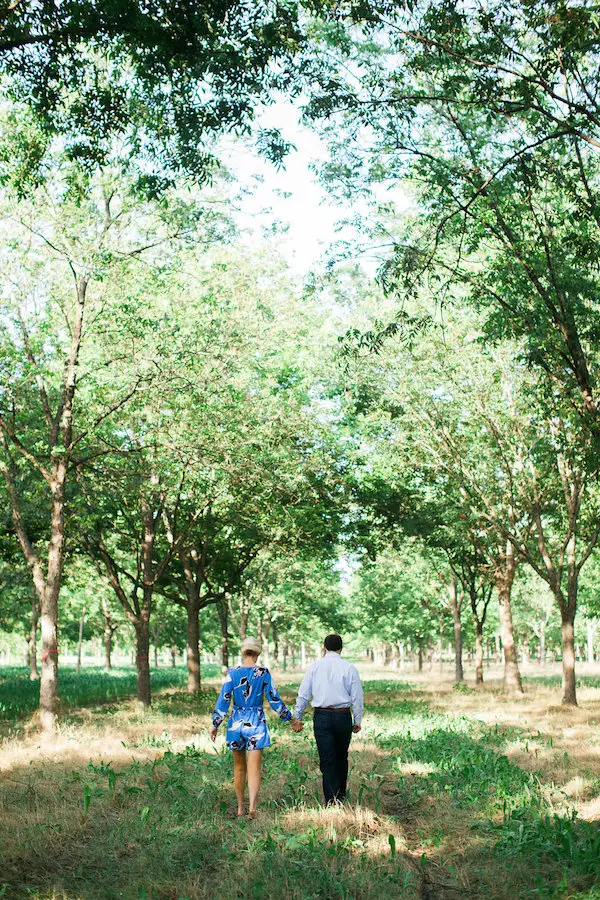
[{"x": 334, "y": 708}]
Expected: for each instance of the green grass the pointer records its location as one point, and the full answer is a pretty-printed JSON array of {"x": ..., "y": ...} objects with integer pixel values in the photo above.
[
  {"x": 583, "y": 681},
  {"x": 19, "y": 697},
  {"x": 469, "y": 768},
  {"x": 438, "y": 810}
]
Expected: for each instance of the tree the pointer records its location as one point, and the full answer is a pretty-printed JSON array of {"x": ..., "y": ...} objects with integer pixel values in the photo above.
[
  {"x": 221, "y": 456},
  {"x": 529, "y": 478},
  {"x": 291, "y": 592},
  {"x": 74, "y": 277},
  {"x": 424, "y": 433},
  {"x": 156, "y": 81},
  {"x": 19, "y": 607},
  {"x": 590, "y": 603},
  {"x": 396, "y": 600},
  {"x": 489, "y": 118}
]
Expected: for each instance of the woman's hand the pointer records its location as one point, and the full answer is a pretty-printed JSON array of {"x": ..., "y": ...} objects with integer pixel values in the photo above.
[{"x": 213, "y": 734}]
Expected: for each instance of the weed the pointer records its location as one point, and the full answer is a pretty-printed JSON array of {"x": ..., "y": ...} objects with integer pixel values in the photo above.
[{"x": 439, "y": 809}]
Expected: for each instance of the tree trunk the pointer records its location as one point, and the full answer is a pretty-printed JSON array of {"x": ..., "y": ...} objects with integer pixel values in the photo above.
[
  {"x": 542, "y": 638},
  {"x": 156, "y": 656},
  {"x": 193, "y": 647},
  {"x": 478, "y": 653},
  {"x": 80, "y": 641},
  {"x": 504, "y": 577},
  {"x": 173, "y": 656},
  {"x": 569, "y": 692},
  {"x": 401, "y": 654},
  {"x": 591, "y": 628},
  {"x": 441, "y": 645},
  {"x": 420, "y": 657},
  {"x": 107, "y": 640},
  {"x": 49, "y": 602},
  {"x": 49, "y": 599},
  {"x": 108, "y": 634},
  {"x": 286, "y": 648},
  {"x": 32, "y": 643},
  {"x": 244, "y": 615},
  {"x": 459, "y": 674},
  {"x": 224, "y": 623},
  {"x": 512, "y": 675},
  {"x": 142, "y": 661}
]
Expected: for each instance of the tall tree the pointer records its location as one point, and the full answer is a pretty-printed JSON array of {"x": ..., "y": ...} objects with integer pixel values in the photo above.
[
  {"x": 489, "y": 119},
  {"x": 74, "y": 278}
]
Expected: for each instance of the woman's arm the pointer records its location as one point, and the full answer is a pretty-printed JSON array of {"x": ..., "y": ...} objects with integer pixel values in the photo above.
[
  {"x": 222, "y": 705},
  {"x": 275, "y": 700}
]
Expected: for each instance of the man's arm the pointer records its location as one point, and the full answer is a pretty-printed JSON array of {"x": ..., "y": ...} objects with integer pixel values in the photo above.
[
  {"x": 304, "y": 693},
  {"x": 356, "y": 694}
]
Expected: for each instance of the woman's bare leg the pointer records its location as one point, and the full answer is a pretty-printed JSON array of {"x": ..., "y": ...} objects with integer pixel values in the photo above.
[
  {"x": 239, "y": 778},
  {"x": 254, "y": 766}
]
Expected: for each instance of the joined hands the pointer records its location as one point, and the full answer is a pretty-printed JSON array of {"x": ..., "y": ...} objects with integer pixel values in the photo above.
[{"x": 296, "y": 725}]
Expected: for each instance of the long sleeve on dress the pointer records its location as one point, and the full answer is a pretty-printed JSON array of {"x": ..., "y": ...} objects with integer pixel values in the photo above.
[
  {"x": 223, "y": 701},
  {"x": 275, "y": 700}
]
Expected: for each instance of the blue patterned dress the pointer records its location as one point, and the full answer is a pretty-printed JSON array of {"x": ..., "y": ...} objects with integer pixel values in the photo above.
[{"x": 247, "y": 726}]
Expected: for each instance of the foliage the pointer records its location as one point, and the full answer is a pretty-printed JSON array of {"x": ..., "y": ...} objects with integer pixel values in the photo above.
[
  {"x": 462, "y": 107},
  {"x": 149, "y": 86},
  {"x": 394, "y": 600}
]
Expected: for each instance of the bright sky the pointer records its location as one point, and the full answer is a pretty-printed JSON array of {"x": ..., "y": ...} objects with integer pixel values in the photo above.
[{"x": 291, "y": 195}]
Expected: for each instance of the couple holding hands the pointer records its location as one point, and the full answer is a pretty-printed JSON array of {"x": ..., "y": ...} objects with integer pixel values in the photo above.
[{"x": 337, "y": 698}]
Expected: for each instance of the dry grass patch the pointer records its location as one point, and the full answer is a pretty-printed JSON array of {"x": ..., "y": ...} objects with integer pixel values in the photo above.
[
  {"x": 356, "y": 825},
  {"x": 428, "y": 776}
]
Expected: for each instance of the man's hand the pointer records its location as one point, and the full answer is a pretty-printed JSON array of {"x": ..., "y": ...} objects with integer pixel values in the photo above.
[
  {"x": 296, "y": 725},
  {"x": 213, "y": 734},
  {"x": 356, "y": 728}
]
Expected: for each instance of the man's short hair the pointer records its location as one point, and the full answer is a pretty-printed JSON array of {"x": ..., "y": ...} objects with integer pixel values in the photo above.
[{"x": 333, "y": 642}]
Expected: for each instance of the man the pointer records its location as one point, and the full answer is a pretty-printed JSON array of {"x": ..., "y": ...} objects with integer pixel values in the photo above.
[{"x": 337, "y": 697}]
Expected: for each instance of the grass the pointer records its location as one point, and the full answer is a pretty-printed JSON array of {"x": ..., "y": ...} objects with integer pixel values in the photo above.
[
  {"x": 453, "y": 795},
  {"x": 19, "y": 697}
]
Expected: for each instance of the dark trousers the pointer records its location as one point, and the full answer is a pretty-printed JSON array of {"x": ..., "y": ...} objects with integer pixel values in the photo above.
[{"x": 333, "y": 731}]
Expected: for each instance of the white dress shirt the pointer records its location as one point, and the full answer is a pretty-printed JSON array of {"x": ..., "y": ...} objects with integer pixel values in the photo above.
[{"x": 332, "y": 682}]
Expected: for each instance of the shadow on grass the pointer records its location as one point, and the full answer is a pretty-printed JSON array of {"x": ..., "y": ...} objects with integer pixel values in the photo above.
[{"x": 438, "y": 812}]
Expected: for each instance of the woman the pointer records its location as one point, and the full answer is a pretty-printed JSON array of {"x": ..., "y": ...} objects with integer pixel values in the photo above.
[{"x": 247, "y": 727}]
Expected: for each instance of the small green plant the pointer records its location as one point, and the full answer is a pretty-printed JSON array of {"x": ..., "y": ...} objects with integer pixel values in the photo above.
[
  {"x": 87, "y": 798},
  {"x": 392, "y": 843}
]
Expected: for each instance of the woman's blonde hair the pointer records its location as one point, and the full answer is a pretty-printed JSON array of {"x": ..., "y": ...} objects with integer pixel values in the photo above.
[{"x": 251, "y": 646}]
